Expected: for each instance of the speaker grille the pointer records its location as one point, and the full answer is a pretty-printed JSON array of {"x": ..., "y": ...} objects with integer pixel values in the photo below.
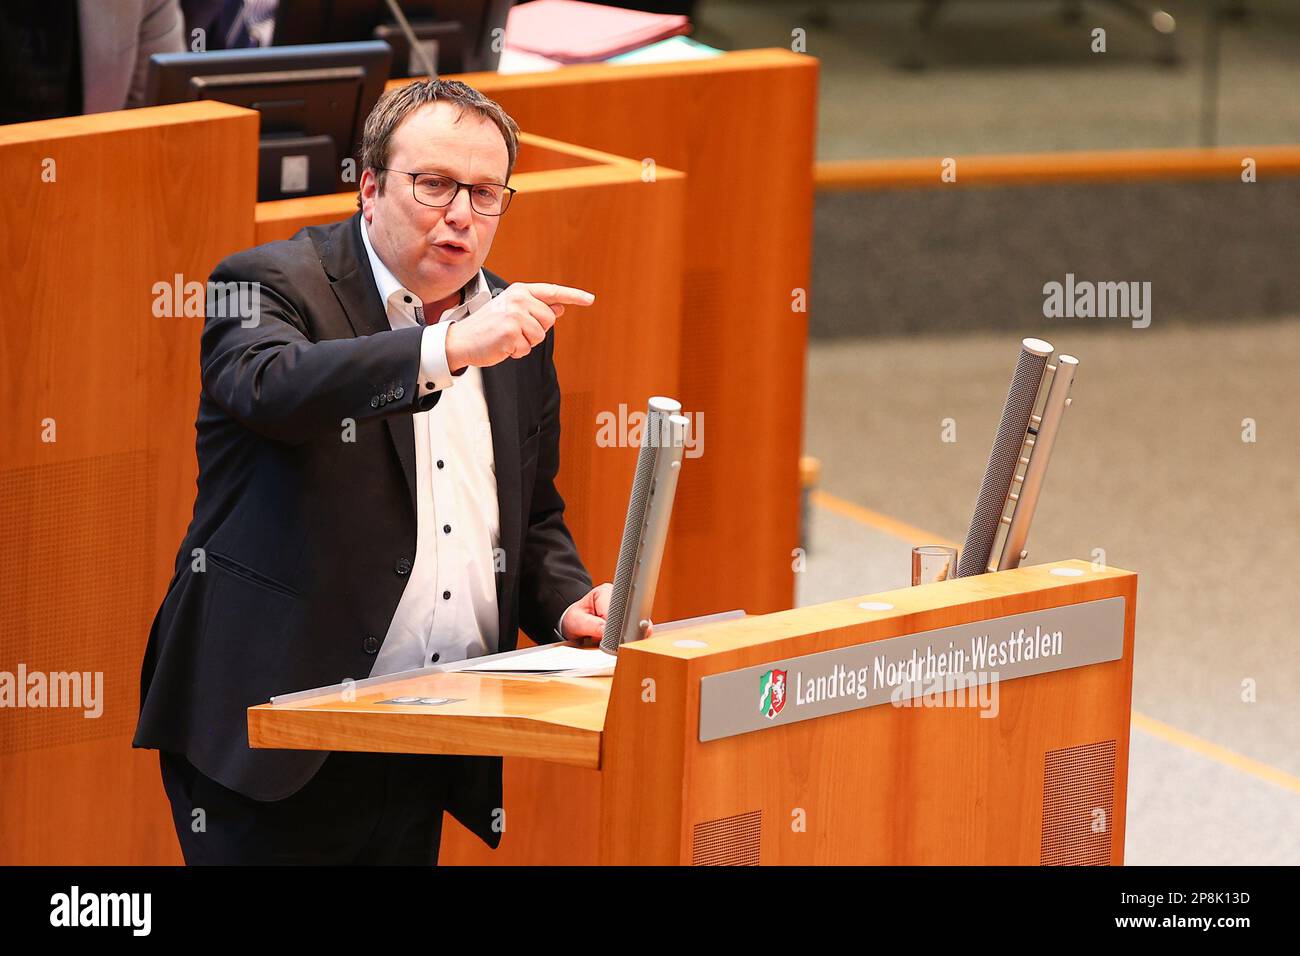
[
  {"x": 76, "y": 588},
  {"x": 1078, "y": 805},
  {"x": 652, "y": 435},
  {"x": 704, "y": 355},
  {"x": 1001, "y": 469},
  {"x": 730, "y": 841}
]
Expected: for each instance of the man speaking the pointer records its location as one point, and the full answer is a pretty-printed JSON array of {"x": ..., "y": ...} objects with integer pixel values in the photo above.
[{"x": 377, "y": 453}]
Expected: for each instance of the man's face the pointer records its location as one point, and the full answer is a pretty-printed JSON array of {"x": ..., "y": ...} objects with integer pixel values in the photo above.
[{"x": 407, "y": 234}]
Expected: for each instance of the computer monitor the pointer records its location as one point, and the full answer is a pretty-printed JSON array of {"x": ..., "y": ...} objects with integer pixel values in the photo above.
[
  {"x": 462, "y": 35},
  {"x": 313, "y": 102}
]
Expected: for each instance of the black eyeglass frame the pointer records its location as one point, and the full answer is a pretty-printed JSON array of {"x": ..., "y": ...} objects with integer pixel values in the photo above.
[{"x": 509, "y": 191}]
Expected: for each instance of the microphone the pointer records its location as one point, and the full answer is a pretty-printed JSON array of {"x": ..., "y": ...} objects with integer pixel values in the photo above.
[
  {"x": 416, "y": 50},
  {"x": 646, "y": 527},
  {"x": 1044, "y": 432},
  {"x": 1004, "y": 458}
]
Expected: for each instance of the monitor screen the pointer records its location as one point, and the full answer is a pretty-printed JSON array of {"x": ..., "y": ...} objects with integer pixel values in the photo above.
[{"x": 313, "y": 102}]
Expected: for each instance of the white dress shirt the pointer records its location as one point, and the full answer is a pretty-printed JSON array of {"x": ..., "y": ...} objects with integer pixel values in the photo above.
[{"x": 448, "y": 611}]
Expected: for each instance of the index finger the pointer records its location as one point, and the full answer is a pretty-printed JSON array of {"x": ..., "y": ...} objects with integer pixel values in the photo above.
[{"x": 553, "y": 294}]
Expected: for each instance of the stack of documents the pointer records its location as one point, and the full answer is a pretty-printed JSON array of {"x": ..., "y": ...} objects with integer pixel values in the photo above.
[{"x": 570, "y": 31}]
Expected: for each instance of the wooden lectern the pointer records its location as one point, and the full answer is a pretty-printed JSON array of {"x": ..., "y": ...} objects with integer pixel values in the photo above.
[{"x": 801, "y": 737}]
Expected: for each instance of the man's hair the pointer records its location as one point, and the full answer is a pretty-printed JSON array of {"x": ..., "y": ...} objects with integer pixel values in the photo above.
[{"x": 397, "y": 104}]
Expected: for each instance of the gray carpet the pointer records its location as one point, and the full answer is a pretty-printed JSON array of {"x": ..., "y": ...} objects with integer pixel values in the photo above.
[
  {"x": 1013, "y": 76},
  {"x": 958, "y": 258}
]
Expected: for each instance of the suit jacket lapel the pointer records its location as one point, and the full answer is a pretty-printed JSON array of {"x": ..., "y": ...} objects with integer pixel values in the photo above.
[{"x": 346, "y": 263}]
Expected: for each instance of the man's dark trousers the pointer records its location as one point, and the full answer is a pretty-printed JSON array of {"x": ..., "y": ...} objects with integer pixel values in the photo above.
[{"x": 360, "y": 808}]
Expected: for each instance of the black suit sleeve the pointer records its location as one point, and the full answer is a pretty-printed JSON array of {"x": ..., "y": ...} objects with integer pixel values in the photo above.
[
  {"x": 262, "y": 369},
  {"x": 552, "y": 575}
]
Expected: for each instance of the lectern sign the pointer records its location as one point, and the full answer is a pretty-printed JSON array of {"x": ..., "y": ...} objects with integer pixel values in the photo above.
[{"x": 899, "y": 670}]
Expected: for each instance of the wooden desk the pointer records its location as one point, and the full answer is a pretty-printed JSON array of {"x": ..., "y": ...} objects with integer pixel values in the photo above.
[{"x": 1041, "y": 778}]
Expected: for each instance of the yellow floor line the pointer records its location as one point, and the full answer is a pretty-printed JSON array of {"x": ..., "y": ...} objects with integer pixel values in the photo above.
[
  {"x": 1169, "y": 734},
  {"x": 874, "y": 519},
  {"x": 1199, "y": 745}
]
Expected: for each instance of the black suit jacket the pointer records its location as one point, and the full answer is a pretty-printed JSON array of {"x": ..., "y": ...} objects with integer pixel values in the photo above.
[{"x": 306, "y": 538}]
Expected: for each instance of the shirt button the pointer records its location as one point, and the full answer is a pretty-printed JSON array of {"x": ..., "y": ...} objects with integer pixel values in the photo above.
[
  {"x": 406, "y": 298},
  {"x": 434, "y": 658},
  {"x": 446, "y": 595},
  {"x": 403, "y": 566},
  {"x": 446, "y": 529},
  {"x": 370, "y": 645},
  {"x": 439, "y": 462}
]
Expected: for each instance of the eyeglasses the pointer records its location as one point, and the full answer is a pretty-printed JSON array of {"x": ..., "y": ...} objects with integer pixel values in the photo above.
[{"x": 431, "y": 189}]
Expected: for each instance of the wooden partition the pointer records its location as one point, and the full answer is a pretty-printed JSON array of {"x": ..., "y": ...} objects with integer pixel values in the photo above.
[
  {"x": 99, "y": 376},
  {"x": 1032, "y": 772},
  {"x": 741, "y": 126}
]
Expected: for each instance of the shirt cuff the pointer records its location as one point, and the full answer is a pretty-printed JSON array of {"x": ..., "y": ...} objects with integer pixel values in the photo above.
[
  {"x": 559, "y": 628},
  {"x": 434, "y": 373}
]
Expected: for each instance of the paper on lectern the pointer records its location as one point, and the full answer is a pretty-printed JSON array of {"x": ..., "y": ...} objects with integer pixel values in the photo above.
[{"x": 547, "y": 660}]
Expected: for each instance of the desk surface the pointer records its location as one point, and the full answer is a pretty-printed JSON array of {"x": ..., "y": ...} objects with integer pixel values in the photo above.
[{"x": 560, "y": 719}]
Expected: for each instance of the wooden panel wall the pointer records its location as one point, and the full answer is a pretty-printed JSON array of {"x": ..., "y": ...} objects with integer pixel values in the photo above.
[{"x": 90, "y": 521}]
